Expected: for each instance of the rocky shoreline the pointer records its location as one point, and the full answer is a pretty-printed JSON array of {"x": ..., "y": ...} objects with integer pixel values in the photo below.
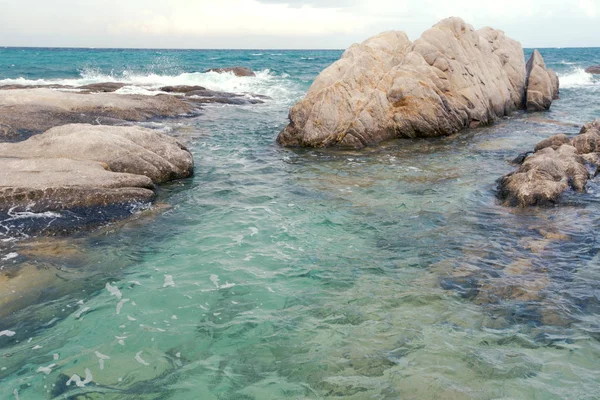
[{"x": 78, "y": 149}]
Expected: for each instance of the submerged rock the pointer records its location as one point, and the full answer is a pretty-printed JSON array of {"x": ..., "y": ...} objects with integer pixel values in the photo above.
[
  {"x": 103, "y": 87},
  {"x": 593, "y": 69},
  {"x": 542, "y": 84},
  {"x": 30, "y": 111},
  {"x": 85, "y": 166},
  {"x": 237, "y": 71},
  {"x": 452, "y": 77},
  {"x": 558, "y": 163}
]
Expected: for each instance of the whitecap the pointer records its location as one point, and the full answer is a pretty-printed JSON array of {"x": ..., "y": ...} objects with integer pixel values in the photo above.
[
  {"x": 101, "y": 359},
  {"x": 576, "y": 78},
  {"x": 120, "y": 305},
  {"x": 113, "y": 290},
  {"x": 77, "y": 379},
  {"x": 79, "y": 313},
  {"x": 46, "y": 370},
  {"x": 7, "y": 333}
]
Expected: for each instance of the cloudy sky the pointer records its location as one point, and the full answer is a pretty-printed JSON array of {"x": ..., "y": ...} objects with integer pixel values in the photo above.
[{"x": 282, "y": 23}]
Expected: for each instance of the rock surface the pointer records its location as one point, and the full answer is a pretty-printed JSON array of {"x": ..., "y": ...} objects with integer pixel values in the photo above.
[
  {"x": 542, "y": 84},
  {"x": 237, "y": 71},
  {"x": 451, "y": 78},
  {"x": 593, "y": 69},
  {"x": 85, "y": 166},
  {"x": 558, "y": 163},
  {"x": 30, "y": 111}
]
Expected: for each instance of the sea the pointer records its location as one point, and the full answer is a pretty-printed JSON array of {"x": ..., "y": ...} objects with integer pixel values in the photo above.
[{"x": 387, "y": 273}]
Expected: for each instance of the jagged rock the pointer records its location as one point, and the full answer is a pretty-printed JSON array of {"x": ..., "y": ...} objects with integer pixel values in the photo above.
[
  {"x": 451, "y": 78},
  {"x": 237, "y": 71},
  {"x": 30, "y": 111},
  {"x": 542, "y": 84},
  {"x": 593, "y": 69},
  {"x": 83, "y": 166},
  {"x": 556, "y": 165}
]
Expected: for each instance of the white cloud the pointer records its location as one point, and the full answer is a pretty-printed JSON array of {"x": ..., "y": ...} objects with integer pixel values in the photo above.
[{"x": 283, "y": 23}]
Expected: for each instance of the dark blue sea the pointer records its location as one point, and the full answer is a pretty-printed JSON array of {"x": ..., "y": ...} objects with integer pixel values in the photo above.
[{"x": 386, "y": 273}]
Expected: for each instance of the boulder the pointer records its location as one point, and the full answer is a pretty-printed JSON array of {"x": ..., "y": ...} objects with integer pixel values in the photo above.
[
  {"x": 29, "y": 111},
  {"x": 237, "y": 71},
  {"x": 83, "y": 166},
  {"x": 452, "y": 77},
  {"x": 593, "y": 69},
  {"x": 181, "y": 89},
  {"x": 541, "y": 83},
  {"x": 558, "y": 163}
]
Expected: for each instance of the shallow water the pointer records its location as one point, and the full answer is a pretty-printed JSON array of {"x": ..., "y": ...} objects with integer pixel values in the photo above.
[{"x": 273, "y": 273}]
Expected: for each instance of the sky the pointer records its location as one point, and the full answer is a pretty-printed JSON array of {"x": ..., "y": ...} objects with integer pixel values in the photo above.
[{"x": 283, "y": 24}]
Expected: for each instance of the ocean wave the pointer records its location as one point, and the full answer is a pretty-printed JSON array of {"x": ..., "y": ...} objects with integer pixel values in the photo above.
[
  {"x": 576, "y": 78},
  {"x": 267, "y": 83}
]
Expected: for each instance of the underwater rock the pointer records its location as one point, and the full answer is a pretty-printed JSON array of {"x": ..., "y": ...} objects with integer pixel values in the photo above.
[
  {"x": 542, "y": 84},
  {"x": 595, "y": 69},
  {"x": 555, "y": 166},
  {"x": 452, "y": 77},
  {"x": 237, "y": 71},
  {"x": 30, "y": 111},
  {"x": 83, "y": 166}
]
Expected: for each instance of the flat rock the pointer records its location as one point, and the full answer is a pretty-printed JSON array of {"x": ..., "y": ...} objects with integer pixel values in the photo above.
[
  {"x": 557, "y": 165},
  {"x": 541, "y": 83},
  {"x": 593, "y": 69},
  {"x": 237, "y": 71},
  {"x": 29, "y": 111},
  {"x": 103, "y": 87},
  {"x": 452, "y": 77},
  {"x": 181, "y": 89},
  {"x": 84, "y": 166}
]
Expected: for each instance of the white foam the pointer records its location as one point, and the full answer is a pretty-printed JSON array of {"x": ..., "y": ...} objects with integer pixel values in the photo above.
[
  {"x": 10, "y": 256},
  {"x": 139, "y": 359},
  {"x": 114, "y": 291},
  {"x": 577, "y": 78},
  {"x": 77, "y": 379},
  {"x": 7, "y": 333},
  {"x": 46, "y": 370},
  {"x": 264, "y": 83},
  {"x": 169, "y": 282},
  {"x": 79, "y": 313},
  {"x": 120, "y": 305},
  {"x": 101, "y": 358}
]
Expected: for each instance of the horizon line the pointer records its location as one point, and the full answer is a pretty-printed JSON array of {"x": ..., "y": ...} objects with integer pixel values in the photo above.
[{"x": 235, "y": 49}]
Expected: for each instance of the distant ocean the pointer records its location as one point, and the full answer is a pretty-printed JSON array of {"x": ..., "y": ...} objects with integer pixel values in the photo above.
[{"x": 279, "y": 273}]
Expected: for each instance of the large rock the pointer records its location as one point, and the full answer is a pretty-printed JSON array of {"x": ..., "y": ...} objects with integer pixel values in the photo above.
[
  {"x": 451, "y": 78},
  {"x": 237, "y": 71},
  {"x": 542, "y": 84},
  {"x": 593, "y": 69},
  {"x": 30, "y": 111},
  {"x": 558, "y": 164},
  {"x": 83, "y": 166}
]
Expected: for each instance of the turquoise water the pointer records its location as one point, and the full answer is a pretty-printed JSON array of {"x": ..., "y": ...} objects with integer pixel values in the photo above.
[{"x": 274, "y": 273}]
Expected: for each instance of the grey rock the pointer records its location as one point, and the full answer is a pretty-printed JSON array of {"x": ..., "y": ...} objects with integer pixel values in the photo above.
[
  {"x": 237, "y": 71},
  {"x": 593, "y": 69}
]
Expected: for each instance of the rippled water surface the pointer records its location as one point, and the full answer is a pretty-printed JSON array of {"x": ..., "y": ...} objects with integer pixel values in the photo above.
[{"x": 273, "y": 273}]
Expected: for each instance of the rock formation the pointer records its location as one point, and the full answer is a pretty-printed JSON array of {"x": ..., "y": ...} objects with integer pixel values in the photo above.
[
  {"x": 558, "y": 163},
  {"x": 451, "y": 78},
  {"x": 30, "y": 111},
  {"x": 237, "y": 71},
  {"x": 85, "y": 166},
  {"x": 593, "y": 69},
  {"x": 541, "y": 83}
]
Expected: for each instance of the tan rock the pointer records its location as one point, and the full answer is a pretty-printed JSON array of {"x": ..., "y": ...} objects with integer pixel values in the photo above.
[
  {"x": 542, "y": 84},
  {"x": 451, "y": 78}
]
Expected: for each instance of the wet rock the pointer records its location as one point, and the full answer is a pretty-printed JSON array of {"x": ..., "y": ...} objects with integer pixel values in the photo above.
[
  {"x": 206, "y": 96},
  {"x": 181, "y": 89},
  {"x": 502, "y": 364},
  {"x": 553, "y": 141},
  {"x": 451, "y": 78},
  {"x": 103, "y": 87},
  {"x": 86, "y": 166},
  {"x": 28, "y": 111},
  {"x": 595, "y": 69},
  {"x": 558, "y": 164},
  {"x": 237, "y": 71},
  {"x": 542, "y": 84}
]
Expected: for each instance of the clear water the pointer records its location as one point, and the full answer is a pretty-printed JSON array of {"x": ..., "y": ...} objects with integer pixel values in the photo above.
[{"x": 274, "y": 273}]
